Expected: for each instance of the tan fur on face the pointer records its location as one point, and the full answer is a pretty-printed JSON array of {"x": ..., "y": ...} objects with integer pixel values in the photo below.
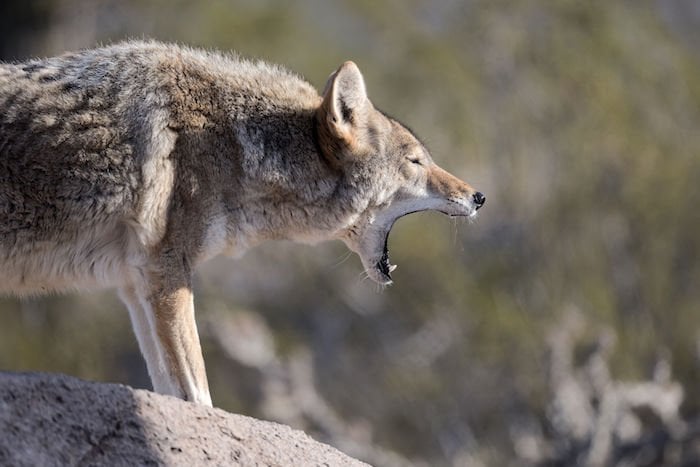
[{"x": 447, "y": 185}]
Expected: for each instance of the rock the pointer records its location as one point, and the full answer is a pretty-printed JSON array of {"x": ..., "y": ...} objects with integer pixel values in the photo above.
[{"x": 48, "y": 419}]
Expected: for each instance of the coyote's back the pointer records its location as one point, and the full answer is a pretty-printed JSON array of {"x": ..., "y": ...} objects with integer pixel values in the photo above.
[{"x": 88, "y": 158}]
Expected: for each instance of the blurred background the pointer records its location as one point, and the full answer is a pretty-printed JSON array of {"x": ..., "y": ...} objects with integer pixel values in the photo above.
[{"x": 561, "y": 328}]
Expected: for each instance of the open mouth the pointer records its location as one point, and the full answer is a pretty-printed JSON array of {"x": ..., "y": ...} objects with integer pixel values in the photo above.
[
  {"x": 380, "y": 271},
  {"x": 383, "y": 266}
]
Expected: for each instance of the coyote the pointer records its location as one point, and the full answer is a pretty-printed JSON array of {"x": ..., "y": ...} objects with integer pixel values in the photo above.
[{"x": 127, "y": 166}]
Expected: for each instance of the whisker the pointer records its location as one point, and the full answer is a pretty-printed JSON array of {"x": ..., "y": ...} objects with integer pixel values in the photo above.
[
  {"x": 454, "y": 231},
  {"x": 343, "y": 259},
  {"x": 362, "y": 276}
]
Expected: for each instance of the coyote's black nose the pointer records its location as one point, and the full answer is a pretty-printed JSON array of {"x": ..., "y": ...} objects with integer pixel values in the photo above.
[{"x": 479, "y": 199}]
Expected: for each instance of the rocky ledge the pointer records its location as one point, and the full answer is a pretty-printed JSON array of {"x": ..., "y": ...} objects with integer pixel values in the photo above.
[{"x": 48, "y": 419}]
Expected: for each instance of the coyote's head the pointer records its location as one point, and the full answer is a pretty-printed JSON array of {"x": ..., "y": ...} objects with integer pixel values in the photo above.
[{"x": 387, "y": 171}]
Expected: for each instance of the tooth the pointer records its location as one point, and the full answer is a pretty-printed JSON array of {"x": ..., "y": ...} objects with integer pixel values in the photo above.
[{"x": 392, "y": 267}]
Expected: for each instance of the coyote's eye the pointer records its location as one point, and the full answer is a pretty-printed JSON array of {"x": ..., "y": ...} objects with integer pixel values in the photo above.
[{"x": 415, "y": 160}]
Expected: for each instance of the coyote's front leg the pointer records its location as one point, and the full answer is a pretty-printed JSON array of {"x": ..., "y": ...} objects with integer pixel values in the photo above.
[{"x": 162, "y": 314}]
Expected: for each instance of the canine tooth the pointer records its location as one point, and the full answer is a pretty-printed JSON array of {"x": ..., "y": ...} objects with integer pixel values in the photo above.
[{"x": 392, "y": 267}]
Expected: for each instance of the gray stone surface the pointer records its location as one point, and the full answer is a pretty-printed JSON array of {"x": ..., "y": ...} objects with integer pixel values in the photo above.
[{"x": 48, "y": 420}]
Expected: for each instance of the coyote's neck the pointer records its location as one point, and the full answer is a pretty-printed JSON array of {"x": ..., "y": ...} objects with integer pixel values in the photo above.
[{"x": 255, "y": 153}]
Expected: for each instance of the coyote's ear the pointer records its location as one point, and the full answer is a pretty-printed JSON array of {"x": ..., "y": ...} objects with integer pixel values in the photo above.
[{"x": 345, "y": 102}]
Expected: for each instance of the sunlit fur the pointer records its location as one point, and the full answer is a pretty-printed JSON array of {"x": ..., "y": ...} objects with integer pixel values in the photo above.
[{"x": 126, "y": 166}]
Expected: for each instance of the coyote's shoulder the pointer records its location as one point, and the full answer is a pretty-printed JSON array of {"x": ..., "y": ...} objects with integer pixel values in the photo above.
[{"x": 126, "y": 166}]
